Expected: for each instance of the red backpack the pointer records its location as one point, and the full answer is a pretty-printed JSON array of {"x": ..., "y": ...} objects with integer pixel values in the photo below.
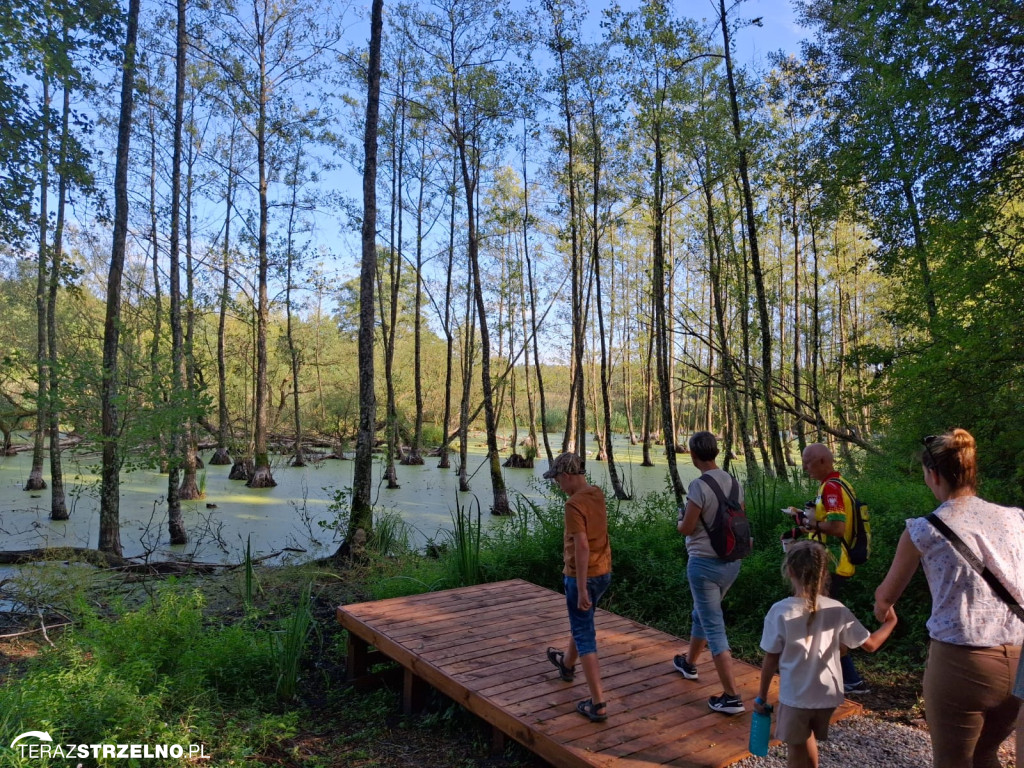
[{"x": 729, "y": 532}]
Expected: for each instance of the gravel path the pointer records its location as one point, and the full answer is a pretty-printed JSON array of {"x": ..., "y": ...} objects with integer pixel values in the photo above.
[{"x": 864, "y": 742}]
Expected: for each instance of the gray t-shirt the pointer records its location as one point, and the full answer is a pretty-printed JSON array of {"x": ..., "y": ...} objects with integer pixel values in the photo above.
[{"x": 697, "y": 543}]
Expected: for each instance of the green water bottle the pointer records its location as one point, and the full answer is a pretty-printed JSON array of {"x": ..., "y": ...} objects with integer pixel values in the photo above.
[{"x": 760, "y": 729}]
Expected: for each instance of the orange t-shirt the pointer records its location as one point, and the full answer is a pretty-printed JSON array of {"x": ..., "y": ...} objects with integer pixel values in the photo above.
[{"x": 586, "y": 512}]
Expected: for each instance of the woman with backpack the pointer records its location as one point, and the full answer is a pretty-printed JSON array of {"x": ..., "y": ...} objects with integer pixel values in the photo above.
[
  {"x": 975, "y": 635},
  {"x": 709, "y": 574}
]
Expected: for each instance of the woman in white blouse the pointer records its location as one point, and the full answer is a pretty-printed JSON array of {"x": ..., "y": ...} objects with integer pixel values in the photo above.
[{"x": 975, "y": 638}]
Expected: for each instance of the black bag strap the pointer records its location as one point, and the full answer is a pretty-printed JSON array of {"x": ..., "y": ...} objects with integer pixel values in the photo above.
[
  {"x": 723, "y": 503},
  {"x": 975, "y": 562},
  {"x": 856, "y": 518},
  {"x": 849, "y": 491}
]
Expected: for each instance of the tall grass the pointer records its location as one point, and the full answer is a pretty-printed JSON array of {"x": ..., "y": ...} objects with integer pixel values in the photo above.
[
  {"x": 289, "y": 644},
  {"x": 250, "y": 584},
  {"x": 390, "y": 535},
  {"x": 463, "y": 553}
]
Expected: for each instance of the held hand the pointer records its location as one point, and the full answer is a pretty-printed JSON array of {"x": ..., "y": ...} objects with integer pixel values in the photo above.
[
  {"x": 882, "y": 611},
  {"x": 890, "y": 615}
]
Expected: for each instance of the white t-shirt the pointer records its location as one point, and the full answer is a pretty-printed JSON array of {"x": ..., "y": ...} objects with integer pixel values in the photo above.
[
  {"x": 809, "y": 672},
  {"x": 698, "y": 544},
  {"x": 965, "y": 610}
]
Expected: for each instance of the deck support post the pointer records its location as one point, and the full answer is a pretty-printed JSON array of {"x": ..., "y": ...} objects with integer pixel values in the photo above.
[
  {"x": 498, "y": 741},
  {"x": 358, "y": 651},
  {"x": 414, "y": 692}
]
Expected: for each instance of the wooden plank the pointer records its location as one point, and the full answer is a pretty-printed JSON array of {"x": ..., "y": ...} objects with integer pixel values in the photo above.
[{"x": 484, "y": 647}]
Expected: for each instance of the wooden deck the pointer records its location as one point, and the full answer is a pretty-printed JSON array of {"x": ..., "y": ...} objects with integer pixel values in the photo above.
[{"x": 484, "y": 647}]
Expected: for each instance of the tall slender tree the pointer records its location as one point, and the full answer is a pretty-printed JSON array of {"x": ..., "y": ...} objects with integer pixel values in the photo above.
[
  {"x": 110, "y": 525},
  {"x": 361, "y": 517}
]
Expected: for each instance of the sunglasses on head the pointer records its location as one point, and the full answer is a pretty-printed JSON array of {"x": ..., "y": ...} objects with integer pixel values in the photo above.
[{"x": 927, "y": 443}]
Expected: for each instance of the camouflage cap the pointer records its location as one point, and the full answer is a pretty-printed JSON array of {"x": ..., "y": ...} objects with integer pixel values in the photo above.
[{"x": 566, "y": 463}]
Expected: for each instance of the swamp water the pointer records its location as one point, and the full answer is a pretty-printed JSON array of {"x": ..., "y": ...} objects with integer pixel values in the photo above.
[{"x": 273, "y": 519}]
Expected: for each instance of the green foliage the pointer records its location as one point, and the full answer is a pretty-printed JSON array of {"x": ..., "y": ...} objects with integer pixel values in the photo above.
[{"x": 152, "y": 676}]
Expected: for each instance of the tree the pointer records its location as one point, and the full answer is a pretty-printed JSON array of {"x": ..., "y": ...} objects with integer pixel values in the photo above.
[
  {"x": 362, "y": 480},
  {"x": 175, "y": 522},
  {"x": 771, "y": 419},
  {"x": 658, "y": 49},
  {"x": 463, "y": 42},
  {"x": 110, "y": 525}
]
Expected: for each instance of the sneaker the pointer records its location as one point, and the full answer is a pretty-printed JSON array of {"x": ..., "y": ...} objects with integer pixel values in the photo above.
[
  {"x": 859, "y": 687},
  {"x": 683, "y": 666},
  {"x": 726, "y": 704}
]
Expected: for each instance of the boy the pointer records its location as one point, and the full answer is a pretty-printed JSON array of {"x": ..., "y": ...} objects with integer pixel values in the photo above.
[{"x": 587, "y": 573}]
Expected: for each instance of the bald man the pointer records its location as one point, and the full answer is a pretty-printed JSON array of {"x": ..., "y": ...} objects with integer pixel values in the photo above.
[{"x": 833, "y": 509}]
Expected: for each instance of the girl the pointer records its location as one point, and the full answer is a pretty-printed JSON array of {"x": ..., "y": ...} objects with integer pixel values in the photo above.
[{"x": 801, "y": 640}]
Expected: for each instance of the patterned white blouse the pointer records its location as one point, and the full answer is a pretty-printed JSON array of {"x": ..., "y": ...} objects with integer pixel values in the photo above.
[{"x": 965, "y": 610}]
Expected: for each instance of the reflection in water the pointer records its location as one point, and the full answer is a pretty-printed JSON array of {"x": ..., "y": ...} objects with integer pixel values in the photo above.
[{"x": 288, "y": 515}]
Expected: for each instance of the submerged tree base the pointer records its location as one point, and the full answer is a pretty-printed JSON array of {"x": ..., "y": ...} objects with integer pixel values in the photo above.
[
  {"x": 189, "y": 490},
  {"x": 242, "y": 469},
  {"x": 261, "y": 478},
  {"x": 411, "y": 459},
  {"x": 515, "y": 461},
  {"x": 35, "y": 481},
  {"x": 221, "y": 457}
]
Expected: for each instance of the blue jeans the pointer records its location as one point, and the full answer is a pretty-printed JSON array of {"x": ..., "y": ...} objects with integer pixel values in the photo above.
[
  {"x": 710, "y": 578},
  {"x": 581, "y": 623}
]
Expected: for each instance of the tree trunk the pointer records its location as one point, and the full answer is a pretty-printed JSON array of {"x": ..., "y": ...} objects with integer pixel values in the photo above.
[
  {"x": 415, "y": 457},
  {"x": 613, "y": 472},
  {"x": 468, "y": 352},
  {"x": 262, "y": 477},
  {"x": 661, "y": 339},
  {"x": 771, "y": 419},
  {"x": 717, "y": 297},
  {"x": 190, "y": 460},
  {"x": 35, "y": 480},
  {"x": 299, "y": 458},
  {"x": 58, "y": 505},
  {"x": 361, "y": 517},
  {"x": 446, "y": 421},
  {"x": 110, "y": 526},
  {"x": 575, "y": 408},
  {"x": 221, "y": 456},
  {"x": 175, "y": 521},
  {"x": 648, "y": 427}
]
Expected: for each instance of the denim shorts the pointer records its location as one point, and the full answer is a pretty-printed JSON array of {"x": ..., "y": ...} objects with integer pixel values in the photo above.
[
  {"x": 710, "y": 578},
  {"x": 581, "y": 623}
]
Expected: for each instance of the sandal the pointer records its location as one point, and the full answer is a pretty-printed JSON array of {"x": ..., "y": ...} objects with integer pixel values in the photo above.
[
  {"x": 557, "y": 657},
  {"x": 588, "y": 709}
]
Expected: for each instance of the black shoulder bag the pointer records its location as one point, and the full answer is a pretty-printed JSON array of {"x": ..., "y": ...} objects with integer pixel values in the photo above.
[{"x": 975, "y": 562}]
